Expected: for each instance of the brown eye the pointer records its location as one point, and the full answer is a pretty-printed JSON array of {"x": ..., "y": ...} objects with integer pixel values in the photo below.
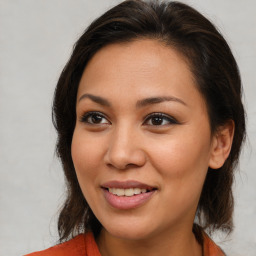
[
  {"x": 160, "y": 119},
  {"x": 157, "y": 120},
  {"x": 94, "y": 118}
]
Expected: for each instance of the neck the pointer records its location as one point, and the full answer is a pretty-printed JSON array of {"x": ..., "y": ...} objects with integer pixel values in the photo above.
[{"x": 177, "y": 243}]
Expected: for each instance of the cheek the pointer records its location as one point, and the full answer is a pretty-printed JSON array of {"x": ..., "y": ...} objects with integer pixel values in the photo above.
[
  {"x": 182, "y": 161},
  {"x": 182, "y": 168},
  {"x": 180, "y": 153},
  {"x": 86, "y": 154}
]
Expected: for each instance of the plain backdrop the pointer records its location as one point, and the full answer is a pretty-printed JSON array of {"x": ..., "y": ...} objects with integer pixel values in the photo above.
[{"x": 36, "y": 39}]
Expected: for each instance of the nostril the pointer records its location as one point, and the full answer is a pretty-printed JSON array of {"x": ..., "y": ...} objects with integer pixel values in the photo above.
[
  {"x": 131, "y": 166},
  {"x": 124, "y": 167}
]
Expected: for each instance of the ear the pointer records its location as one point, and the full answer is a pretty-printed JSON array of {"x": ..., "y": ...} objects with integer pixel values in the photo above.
[{"x": 221, "y": 145}]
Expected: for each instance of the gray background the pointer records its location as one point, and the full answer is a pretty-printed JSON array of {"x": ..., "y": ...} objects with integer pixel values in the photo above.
[{"x": 36, "y": 38}]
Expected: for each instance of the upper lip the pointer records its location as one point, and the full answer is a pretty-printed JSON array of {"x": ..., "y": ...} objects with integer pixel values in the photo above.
[{"x": 127, "y": 184}]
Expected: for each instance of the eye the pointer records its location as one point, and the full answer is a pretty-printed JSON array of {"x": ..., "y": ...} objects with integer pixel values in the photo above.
[
  {"x": 94, "y": 118},
  {"x": 160, "y": 119}
]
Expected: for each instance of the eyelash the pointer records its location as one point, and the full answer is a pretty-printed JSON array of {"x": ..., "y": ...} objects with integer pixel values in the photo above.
[
  {"x": 84, "y": 117},
  {"x": 162, "y": 117}
]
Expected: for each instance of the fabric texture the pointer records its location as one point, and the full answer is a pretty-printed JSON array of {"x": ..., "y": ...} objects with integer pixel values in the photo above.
[
  {"x": 210, "y": 248},
  {"x": 85, "y": 245},
  {"x": 81, "y": 245}
]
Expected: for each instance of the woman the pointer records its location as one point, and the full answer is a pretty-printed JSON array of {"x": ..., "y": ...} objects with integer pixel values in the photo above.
[{"x": 150, "y": 125}]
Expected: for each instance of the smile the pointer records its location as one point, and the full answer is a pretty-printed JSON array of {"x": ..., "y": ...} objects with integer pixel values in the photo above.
[
  {"x": 128, "y": 194},
  {"x": 128, "y": 191}
]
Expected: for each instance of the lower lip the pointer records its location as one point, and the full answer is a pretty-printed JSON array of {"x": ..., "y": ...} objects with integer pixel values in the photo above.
[{"x": 127, "y": 202}]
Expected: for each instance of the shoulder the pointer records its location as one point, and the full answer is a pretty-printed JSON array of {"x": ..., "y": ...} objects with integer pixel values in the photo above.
[
  {"x": 81, "y": 245},
  {"x": 210, "y": 248}
]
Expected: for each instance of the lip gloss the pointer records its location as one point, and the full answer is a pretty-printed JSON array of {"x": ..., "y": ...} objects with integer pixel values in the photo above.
[{"x": 127, "y": 202}]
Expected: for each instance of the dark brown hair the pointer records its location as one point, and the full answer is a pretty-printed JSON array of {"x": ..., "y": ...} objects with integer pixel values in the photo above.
[{"x": 216, "y": 73}]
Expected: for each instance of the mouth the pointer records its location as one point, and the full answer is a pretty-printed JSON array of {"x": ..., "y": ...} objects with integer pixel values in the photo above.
[
  {"x": 127, "y": 195},
  {"x": 128, "y": 191}
]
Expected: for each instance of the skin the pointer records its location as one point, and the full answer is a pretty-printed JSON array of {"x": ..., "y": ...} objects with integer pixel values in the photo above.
[{"x": 124, "y": 144}]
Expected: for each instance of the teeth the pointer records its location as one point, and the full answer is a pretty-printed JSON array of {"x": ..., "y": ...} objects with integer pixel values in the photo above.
[
  {"x": 136, "y": 191},
  {"x": 126, "y": 192},
  {"x": 119, "y": 191}
]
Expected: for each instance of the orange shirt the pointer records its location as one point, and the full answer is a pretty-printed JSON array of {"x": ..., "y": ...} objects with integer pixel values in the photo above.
[
  {"x": 85, "y": 245},
  {"x": 210, "y": 248},
  {"x": 81, "y": 245}
]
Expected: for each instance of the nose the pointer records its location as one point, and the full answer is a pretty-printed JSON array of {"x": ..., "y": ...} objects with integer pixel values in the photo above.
[{"x": 125, "y": 150}]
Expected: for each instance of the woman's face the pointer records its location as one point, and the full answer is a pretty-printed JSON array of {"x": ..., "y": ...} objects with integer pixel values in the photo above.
[{"x": 142, "y": 142}]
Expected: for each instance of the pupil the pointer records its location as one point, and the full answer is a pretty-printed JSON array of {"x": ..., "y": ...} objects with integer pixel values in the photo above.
[
  {"x": 96, "y": 118},
  {"x": 157, "y": 120}
]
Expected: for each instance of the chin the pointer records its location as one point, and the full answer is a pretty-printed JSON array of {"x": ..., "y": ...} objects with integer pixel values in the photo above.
[
  {"x": 129, "y": 234},
  {"x": 128, "y": 230}
]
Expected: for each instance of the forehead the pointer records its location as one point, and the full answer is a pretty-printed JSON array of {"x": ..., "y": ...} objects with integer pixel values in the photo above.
[
  {"x": 138, "y": 56},
  {"x": 138, "y": 68}
]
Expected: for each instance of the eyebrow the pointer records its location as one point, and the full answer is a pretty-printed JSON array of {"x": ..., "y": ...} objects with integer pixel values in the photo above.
[
  {"x": 97, "y": 99},
  {"x": 141, "y": 103},
  {"x": 155, "y": 100}
]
